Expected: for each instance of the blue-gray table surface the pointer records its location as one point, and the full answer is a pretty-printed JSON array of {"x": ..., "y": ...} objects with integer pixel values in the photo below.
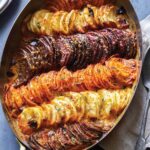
[{"x": 7, "y": 139}]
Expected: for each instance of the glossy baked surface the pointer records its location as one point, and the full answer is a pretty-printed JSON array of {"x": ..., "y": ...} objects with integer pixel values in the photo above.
[{"x": 107, "y": 85}]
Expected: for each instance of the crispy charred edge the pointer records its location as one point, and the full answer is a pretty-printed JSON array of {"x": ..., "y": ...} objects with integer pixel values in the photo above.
[
  {"x": 89, "y": 18},
  {"x": 68, "y": 5},
  {"x": 117, "y": 73},
  {"x": 76, "y": 136},
  {"x": 75, "y": 52}
]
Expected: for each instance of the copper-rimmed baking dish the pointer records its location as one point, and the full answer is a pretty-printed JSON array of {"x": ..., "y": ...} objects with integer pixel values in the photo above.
[{"x": 12, "y": 44}]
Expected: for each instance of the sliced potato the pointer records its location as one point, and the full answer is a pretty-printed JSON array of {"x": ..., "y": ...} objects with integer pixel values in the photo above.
[
  {"x": 53, "y": 114},
  {"x": 46, "y": 22},
  {"x": 96, "y": 14},
  {"x": 79, "y": 103},
  {"x": 88, "y": 13},
  {"x": 72, "y": 17},
  {"x": 93, "y": 104},
  {"x": 55, "y": 21},
  {"x": 63, "y": 24},
  {"x": 80, "y": 23}
]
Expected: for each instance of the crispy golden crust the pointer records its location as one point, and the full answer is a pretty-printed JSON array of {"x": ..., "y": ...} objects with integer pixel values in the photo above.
[
  {"x": 117, "y": 73},
  {"x": 74, "y": 107},
  {"x": 48, "y": 23}
]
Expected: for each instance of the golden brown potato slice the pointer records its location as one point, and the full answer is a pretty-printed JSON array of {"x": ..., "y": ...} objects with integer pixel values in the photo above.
[
  {"x": 88, "y": 13},
  {"x": 96, "y": 14},
  {"x": 71, "y": 17},
  {"x": 80, "y": 23},
  {"x": 40, "y": 22},
  {"x": 63, "y": 24},
  {"x": 47, "y": 23},
  {"x": 90, "y": 17},
  {"x": 55, "y": 21}
]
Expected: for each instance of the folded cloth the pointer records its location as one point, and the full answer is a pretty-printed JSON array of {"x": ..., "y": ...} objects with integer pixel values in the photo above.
[{"x": 125, "y": 135}]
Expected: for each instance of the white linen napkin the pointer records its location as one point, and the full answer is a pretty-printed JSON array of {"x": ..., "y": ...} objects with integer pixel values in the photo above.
[{"x": 125, "y": 135}]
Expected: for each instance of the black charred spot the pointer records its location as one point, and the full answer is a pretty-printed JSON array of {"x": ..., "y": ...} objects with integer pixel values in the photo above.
[
  {"x": 33, "y": 124},
  {"x": 121, "y": 11},
  {"x": 91, "y": 12},
  {"x": 10, "y": 74}
]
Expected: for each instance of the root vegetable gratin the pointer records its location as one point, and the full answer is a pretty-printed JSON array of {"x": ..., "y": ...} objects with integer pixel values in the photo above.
[{"x": 73, "y": 73}]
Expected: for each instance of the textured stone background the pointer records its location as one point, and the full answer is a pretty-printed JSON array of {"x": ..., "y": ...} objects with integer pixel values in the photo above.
[{"x": 7, "y": 139}]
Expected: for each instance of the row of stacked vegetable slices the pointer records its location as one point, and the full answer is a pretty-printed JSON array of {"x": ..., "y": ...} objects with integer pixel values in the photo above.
[{"x": 73, "y": 74}]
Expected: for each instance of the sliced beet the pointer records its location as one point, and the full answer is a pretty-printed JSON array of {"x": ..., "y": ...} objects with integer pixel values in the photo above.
[{"x": 74, "y": 51}]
